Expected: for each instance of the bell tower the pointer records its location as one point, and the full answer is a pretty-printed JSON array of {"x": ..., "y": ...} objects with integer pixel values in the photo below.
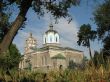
[{"x": 30, "y": 44}]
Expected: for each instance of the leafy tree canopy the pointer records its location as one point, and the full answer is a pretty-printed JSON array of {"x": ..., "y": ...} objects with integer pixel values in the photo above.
[
  {"x": 4, "y": 20},
  {"x": 106, "y": 47},
  {"x": 85, "y": 34},
  {"x": 58, "y": 8},
  {"x": 10, "y": 59},
  {"x": 102, "y": 19}
]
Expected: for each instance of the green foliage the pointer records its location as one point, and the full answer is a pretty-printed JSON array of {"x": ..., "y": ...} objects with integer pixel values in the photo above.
[
  {"x": 106, "y": 49},
  {"x": 107, "y": 43},
  {"x": 85, "y": 59},
  {"x": 90, "y": 74},
  {"x": 85, "y": 34},
  {"x": 4, "y": 20},
  {"x": 72, "y": 65},
  {"x": 56, "y": 8},
  {"x": 15, "y": 55},
  {"x": 10, "y": 59},
  {"x": 98, "y": 59},
  {"x": 102, "y": 19}
]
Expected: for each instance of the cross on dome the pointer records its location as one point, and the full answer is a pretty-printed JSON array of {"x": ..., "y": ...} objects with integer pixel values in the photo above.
[
  {"x": 51, "y": 26},
  {"x": 30, "y": 34}
]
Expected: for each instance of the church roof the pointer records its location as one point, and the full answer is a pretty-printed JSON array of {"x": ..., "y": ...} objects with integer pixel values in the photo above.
[
  {"x": 58, "y": 56},
  {"x": 51, "y": 29},
  {"x": 48, "y": 31},
  {"x": 68, "y": 48},
  {"x": 56, "y": 48}
]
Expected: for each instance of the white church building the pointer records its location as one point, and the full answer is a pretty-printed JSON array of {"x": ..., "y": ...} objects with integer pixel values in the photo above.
[{"x": 51, "y": 55}]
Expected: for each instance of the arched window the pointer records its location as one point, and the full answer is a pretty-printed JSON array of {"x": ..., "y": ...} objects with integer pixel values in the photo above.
[
  {"x": 50, "y": 38},
  {"x": 45, "y": 40},
  {"x": 56, "y": 39},
  {"x": 45, "y": 60},
  {"x": 42, "y": 60}
]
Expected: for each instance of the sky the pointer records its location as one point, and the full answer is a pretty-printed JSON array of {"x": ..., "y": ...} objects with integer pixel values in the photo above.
[{"x": 68, "y": 32}]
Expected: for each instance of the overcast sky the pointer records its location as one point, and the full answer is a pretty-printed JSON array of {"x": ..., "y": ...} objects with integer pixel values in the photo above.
[{"x": 68, "y": 32}]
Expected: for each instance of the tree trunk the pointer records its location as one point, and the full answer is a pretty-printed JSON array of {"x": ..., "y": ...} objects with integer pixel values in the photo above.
[
  {"x": 89, "y": 49},
  {"x": 8, "y": 38},
  {"x": 90, "y": 52}
]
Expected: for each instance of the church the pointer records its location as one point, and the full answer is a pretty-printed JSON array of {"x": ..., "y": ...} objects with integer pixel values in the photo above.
[{"x": 51, "y": 55}]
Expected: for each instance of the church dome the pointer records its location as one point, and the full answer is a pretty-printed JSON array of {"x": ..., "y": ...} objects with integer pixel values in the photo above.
[
  {"x": 51, "y": 30},
  {"x": 51, "y": 36}
]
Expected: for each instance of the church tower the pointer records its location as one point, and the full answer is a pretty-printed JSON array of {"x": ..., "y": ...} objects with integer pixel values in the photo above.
[
  {"x": 31, "y": 43},
  {"x": 51, "y": 37}
]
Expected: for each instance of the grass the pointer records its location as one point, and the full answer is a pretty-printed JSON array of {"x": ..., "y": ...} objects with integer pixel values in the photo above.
[{"x": 89, "y": 74}]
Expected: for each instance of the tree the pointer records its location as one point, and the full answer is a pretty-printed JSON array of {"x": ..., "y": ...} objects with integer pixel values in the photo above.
[
  {"x": 106, "y": 48},
  {"x": 98, "y": 58},
  {"x": 72, "y": 65},
  {"x": 85, "y": 59},
  {"x": 56, "y": 8},
  {"x": 85, "y": 35},
  {"x": 102, "y": 19},
  {"x": 4, "y": 21},
  {"x": 10, "y": 59}
]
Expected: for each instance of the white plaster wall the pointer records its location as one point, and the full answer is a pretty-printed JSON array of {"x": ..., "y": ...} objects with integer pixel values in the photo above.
[
  {"x": 51, "y": 38},
  {"x": 44, "y": 37}
]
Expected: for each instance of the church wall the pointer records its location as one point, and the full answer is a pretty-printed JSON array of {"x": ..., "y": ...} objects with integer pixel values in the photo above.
[
  {"x": 42, "y": 60},
  {"x": 74, "y": 56},
  {"x": 44, "y": 39},
  {"x": 70, "y": 55},
  {"x": 55, "y": 52},
  {"x": 59, "y": 62}
]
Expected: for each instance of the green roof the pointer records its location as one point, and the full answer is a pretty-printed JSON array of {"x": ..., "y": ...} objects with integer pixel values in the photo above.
[
  {"x": 58, "y": 56},
  {"x": 55, "y": 48}
]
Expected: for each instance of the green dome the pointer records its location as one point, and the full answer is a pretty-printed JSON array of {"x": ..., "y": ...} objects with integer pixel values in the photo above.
[{"x": 58, "y": 56}]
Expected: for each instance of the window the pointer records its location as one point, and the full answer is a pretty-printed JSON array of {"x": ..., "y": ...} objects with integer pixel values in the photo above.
[
  {"x": 45, "y": 60},
  {"x": 56, "y": 39},
  {"x": 42, "y": 61},
  {"x": 45, "y": 40},
  {"x": 50, "y": 38}
]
